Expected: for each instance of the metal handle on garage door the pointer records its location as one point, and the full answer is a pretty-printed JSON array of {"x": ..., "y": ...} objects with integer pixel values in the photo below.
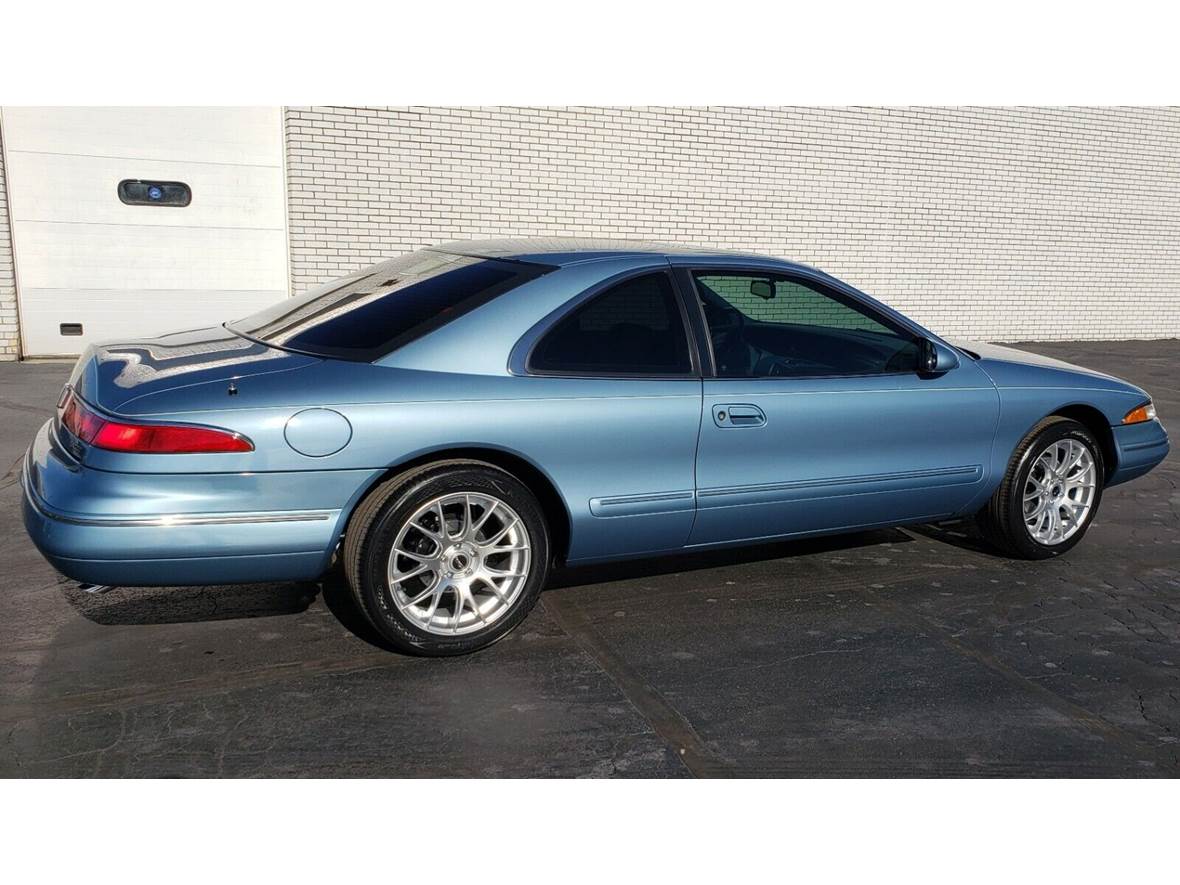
[{"x": 732, "y": 415}]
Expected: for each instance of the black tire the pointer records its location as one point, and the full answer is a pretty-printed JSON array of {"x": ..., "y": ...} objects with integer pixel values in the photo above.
[
  {"x": 373, "y": 530},
  {"x": 1001, "y": 521}
]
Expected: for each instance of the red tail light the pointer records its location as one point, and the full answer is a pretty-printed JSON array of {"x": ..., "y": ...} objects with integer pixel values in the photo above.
[{"x": 149, "y": 439}]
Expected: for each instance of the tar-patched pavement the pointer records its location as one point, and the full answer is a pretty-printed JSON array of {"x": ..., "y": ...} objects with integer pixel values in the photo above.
[{"x": 890, "y": 653}]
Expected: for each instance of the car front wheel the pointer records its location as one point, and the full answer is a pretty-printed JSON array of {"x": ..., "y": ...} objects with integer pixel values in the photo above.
[
  {"x": 1050, "y": 492},
  {"x": 448, "y": 558}
]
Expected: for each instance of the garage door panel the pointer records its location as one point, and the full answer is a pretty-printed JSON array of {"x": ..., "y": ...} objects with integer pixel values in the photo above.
[
  {"x": 104, "y": 315},
  {"x": 236, "y": 136},
  {"x": 84, "y": 190},
  {"x": 62, "y": 256},
  {"x": 86, "y": 258}
]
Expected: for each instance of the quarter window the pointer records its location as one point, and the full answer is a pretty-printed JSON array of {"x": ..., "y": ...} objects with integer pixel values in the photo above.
[
  {"x": 634, "y": 328},
  {"x": 768, "y": 325}
]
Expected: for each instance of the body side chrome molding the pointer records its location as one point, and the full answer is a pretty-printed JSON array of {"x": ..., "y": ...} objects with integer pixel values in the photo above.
[
  {"x": 967, "y": 473},
  {"x": 656, "y": 503}
]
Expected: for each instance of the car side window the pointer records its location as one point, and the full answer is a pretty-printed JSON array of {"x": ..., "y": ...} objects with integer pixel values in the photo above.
[
  {"x": 633, "y": 328},
  {"x": 770, "y": 325}
]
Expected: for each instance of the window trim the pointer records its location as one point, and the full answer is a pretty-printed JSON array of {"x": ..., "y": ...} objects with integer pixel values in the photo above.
[
  {"x": 541, "y": 331},
  {"x": 839, "y": 293}
]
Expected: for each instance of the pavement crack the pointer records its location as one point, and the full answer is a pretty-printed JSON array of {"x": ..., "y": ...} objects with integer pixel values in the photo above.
[
  {"x": 1079, "y": 715},
  {"x": 779, "y": 661},
  {"x": 665, "y": 720},
  {"x": 23, "y": 407},
  {"x": 12, "y": 476},
  {"x": 139, "y": 694}
]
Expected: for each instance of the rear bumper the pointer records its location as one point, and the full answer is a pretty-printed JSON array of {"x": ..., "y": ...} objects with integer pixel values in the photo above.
[
  {"x": 150, "y": 529},
  {"x": 1140, "y": 447}
]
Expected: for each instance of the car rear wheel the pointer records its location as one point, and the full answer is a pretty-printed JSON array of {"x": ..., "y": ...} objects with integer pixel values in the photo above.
[
  {"x": 1050, "y": 492},
  {"x": 447, "y": 559}
]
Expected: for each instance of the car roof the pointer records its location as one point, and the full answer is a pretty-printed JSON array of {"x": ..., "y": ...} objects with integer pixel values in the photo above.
[{"x": 561, "y": 251}]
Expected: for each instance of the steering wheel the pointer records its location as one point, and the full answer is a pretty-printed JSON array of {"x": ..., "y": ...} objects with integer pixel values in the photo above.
[
  {"x": 771, "y": 366},
  {"x": 723, "y": 320},
  {"x": 726, "y": 327},
  {"x": 905, "y": 360}
]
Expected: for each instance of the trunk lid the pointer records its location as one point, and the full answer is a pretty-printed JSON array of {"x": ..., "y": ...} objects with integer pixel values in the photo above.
[{"x": 113, "y": 375}]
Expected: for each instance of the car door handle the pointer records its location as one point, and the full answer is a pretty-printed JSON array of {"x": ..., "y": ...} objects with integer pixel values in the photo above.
[{"x": 738, "y": 415}]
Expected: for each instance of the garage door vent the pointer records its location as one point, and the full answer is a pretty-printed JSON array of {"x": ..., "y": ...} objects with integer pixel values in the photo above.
[{"x": 70, "y": 328}]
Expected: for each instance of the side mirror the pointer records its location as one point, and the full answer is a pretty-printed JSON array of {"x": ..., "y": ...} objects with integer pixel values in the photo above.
[
  {"x": 935, "y": 358},
  {"x": 763, "y": 289}
]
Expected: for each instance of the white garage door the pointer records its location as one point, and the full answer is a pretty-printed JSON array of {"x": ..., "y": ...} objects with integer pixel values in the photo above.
[{"x": 88, "y": 261}]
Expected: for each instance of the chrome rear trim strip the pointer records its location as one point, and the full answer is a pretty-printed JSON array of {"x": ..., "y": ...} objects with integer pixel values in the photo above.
[
  {"x": 183, "y": 519},
  {"x": 172, "y": 519}
]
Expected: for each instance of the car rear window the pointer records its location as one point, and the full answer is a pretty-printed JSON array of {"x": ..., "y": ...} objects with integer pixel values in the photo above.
[{"x": 373, "y": 312}]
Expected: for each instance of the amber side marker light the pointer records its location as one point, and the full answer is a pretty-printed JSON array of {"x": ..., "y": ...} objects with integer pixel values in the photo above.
[
  {"x": 148, "y": 439},
  {"x": 1145, "y": 412}
]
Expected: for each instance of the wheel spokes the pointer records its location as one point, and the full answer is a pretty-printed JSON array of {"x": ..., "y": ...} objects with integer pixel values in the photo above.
[
  {"x": 447, "y": 580},
  {"x": 422, "y": 568},
  {"x": 494, "y": 588},
  {"x": 1059, "y": 491},
  {"x": 499, "y": 536},
  {"x": 439, "y": 590},
  {"x": 415, "y": 555},
  {"x": 430, "y": 588},
  {"x": 474, "y": 603},
  {"x": 483, "y": 518}
]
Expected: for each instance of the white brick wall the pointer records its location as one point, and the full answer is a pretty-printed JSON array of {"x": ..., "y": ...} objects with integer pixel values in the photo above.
[
  {"x": 994, "y": 223},
  {"x": 9, "y": 333}
]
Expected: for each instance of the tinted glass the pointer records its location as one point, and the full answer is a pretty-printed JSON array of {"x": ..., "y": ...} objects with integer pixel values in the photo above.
[
  {"x": 136, "y": 192},
  {"x": 634, "y": 328},
  {"x": 764, "y": 325},
  {"x": 371, "y": 313}
]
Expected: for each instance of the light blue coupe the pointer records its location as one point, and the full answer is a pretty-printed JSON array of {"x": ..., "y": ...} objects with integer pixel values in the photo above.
[{"x": 452, "y": 422}]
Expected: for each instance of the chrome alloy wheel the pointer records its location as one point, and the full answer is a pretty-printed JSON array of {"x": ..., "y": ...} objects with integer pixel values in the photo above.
[
  {"x": 1059, "y": 492},
  {"x": 459, "y": 563}
]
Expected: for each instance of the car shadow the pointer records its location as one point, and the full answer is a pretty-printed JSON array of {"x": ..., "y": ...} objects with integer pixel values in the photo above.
[
  {"x": 961, "y": 534},
  {"x": 146, "y": 606},
  {"x": 577, "y": 576},
  {"x": 337, "y": 596},
  {"x": 179, "y": 605},
  {"x": 123, "y": 606}
]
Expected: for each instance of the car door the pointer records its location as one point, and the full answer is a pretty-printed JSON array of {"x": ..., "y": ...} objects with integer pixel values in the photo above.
[
  {"x": 815, "y": 416},
  {"x": 611, "y": 411}
]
